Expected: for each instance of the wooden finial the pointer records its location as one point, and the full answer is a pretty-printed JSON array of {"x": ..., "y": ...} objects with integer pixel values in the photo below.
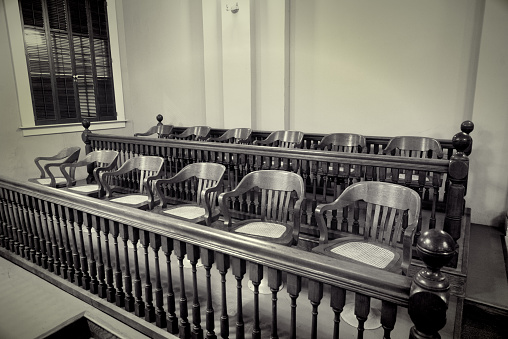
[
  {"x": 467, "y": 126},
  {"x": 159, "y": 118},
  {"x": 461, "y": 141}
]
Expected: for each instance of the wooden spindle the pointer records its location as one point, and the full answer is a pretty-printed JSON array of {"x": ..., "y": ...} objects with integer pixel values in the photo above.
[
  {"x": 54, "y": 243},
  {"x": 129, "y": 298},
  {"x": 18, "y": 217},
  {"x": 315, "y": 295},
  {"x": 67, "y": 220},
  {"x": 430, "y": 289},
  {"x": 14, "y": 243},
  {"x": 139, "y": 304},
  {"x": 388, "y": 317},
  {"x": 85, "y": 277},
  {"x": 120, "y": 294},
  {"x": 222, "y": 264},
  {"x": 256, "y": 275},
  {"x": 362, "y": 309},
  {"x": 27, "y": 231},
  {"x": 239, "y": 268},
  {"x": 76, "y": 264},
  {"x": 58, "y": 224},
  {"x": 149, "y": 308},
  {"x": 94, "y": 283},
  {"x": 172, "y": 320},
  {"x": 193, "y": 255},
  {"x": 294, "y": 287},
  {"x": 207, "y": 259},
  {"x": 110, "y": 289},
  {"x": 98, "y": 224},
  {"x": 36, "y": 254},
  {"x": 160, "y": 314},
  {"x": 274, "y": 283},
  {"x": 337, "y": 301},
  {"x": 184, "y": 326}
]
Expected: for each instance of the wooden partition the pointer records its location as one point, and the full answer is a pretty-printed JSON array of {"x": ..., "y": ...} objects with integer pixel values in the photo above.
[{"x": 135, "y": 261}]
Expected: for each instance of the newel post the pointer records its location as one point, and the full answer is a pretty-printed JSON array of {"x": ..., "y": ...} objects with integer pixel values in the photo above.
[
  {"x": 88, "y": 148},
  {"x": 430, "y": 289},
  {"x": 458, "y": 169}
]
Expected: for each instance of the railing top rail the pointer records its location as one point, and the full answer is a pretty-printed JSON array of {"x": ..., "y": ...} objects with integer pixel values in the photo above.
[
  {"x": 351, "y": 276},
  {"x": 434, "y": 165}
]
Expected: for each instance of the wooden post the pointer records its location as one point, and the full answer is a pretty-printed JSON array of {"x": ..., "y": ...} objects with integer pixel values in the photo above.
[{"x": 430, "y": 289}]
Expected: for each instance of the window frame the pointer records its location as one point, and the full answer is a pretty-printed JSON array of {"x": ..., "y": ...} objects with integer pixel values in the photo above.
[{"x": 21, "y": 74}]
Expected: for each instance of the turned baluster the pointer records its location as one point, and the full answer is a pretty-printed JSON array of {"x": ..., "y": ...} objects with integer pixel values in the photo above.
[
  {"x": 85, "y": 277},
  {"x": 64, "y": 227},
  {"x": 207, "y": 259},
  {"x": 239, "y": 268},
  {"x": 72, "y": 216},
  {"x": 120, "y": 295},
  {"x": 160, "y": 314},
  {"x": 193, "y": 255},
  {"x": 149, "y": 308},
  {"x": 430, "y": 289},
  {"x": 50, "y": 219},
  {"x": 222, "y": 264},
  {"x": 36, "y": 250},
  {"x": 25, "y": 226},
  {"x": 58, "y": 224},
  {"x": 274, "y": 283},
  {"x": 139, "y": 304},
  {"x": 337, "y": 301},
  {"x": 94, "y": 283},
  {"x": 9, "y": 221},
  {"x": 48, "y": 260},
  {"x": 98, "y": 225},
  {"x": 129, "y": 298},
  {"x": 110, "y": 289},
  {"x": 4, "y": 214},
  {"x": 315, "y": 296},
  {"x": 362, "y": 309},
  {"x": 184, "y": 326},
  {"x": 256, "y": 275},
  {"x": 172, "y": 320},
  {"x": 388, "y": 317},
  {"x": 294, "y": 287},
  {"x": 16, "y": 244}
]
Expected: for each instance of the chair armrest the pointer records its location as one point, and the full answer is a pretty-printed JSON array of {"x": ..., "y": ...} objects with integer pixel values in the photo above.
[
  {"x": 300, "y": 205},
  {"x": 151, "y": 130},
  {"x": 407, "y": 247},
  {"x": 50, "y": 174},
  {"x": 148, "y": 189},
  {"x": 206, "y": 196}
]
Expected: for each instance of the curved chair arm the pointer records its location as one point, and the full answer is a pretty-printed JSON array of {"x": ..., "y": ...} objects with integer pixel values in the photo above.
[
  {"x": 50, "y": 174},
  {"x": 297, "y": 217},
  {"x": 407, "y": 243},
  {"x": 178, "y": 177},
  {"x": 320, "y": 216},
  {"x": 151, "y": 130},
  {"x": 206, "y": 196},
  {"x": 223, "y": 198},
  {"x": 70, "y": 176},
  {"x": 148, "y": 189},
  {"x": 125, "y": 168},
  {"x": 67, "y": 155}
]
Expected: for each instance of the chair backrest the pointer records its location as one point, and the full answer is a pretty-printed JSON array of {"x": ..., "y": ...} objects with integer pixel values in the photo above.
[
  {"x": 343, "y": 142},
  {"x": 194, "y": 133},
  {"x": 101, "y": 158},
  {"x": 276, "y": 195},
  {"x": 190, "y": 183},
  {"x": 284, "y": 139},
  {"x": 415, "y": 147},
  {"x": 387, "y": 210},
  {"x": 141, "y": 168},
  {"x": 162, "y": 131},
  {"x": 66, "y": 155},
  {"x": 235, "y": 136}
]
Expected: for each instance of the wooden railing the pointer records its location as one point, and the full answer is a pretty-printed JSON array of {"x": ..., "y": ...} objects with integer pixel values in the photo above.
[{"x": 53, "y": 231}]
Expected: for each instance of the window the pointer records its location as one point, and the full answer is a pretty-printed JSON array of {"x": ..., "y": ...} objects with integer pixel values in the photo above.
[{"x": 68, "y": 59}]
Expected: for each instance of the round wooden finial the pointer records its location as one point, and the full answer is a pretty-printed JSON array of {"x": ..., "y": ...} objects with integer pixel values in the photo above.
[
  {"x": 85, "y": 123},
  {"x": 436, "y": 248},
  {"x": 461, "y": 141},
  {"x": 159, "y": 118},
  {"x": 467, "y": 126}
]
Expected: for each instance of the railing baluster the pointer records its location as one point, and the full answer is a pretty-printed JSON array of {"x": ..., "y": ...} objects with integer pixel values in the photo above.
[
  {"x": 160, "y": 314},
  {"x": 24, "y": 221},
  {"x": 120, "y": 295},
  {"x": 99, "y": 224},
  {"x": 256, "y": 275},
  {"x": 180, "y": 251},
  {"x": 3, "y": 214},
  {"x": 274, "y": 282},
  {"x": 85, "y": 277},
  {"x": 139, "y": 304},
  {"x": 222, "y": 264},
  {"x": 69, "y": 267},
  {"x": 18, "y": 216},
  {"x": 36, "y": 254},
  {"x": 362, "y": 309},
  {"x": 172, "y": 320},
  {"x": 94, "y": 283},
  {"x": 78, "y": 273},
  {"x": 239, "y": 269},
  {"x": 207, "y": 259},
  {"x": 51, "y": 219},
  {"x": 43, "y": 207},
  {"x": 129, "y": 299},
  {"x": 388, "y": 317},
  {"x": 110, "y": 289},
  {"x": 14, "y": 243},
  {"x": 337, "y": 301},
  {"x": 149, "y": 309},
  {"x": 193, "y": 255},
  {"x": 315, "y": 296},
  {"x": 294, "y": 287}
]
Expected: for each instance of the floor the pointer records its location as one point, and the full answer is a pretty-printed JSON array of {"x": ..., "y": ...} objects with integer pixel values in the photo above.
[{"x": 28, "y": 312}]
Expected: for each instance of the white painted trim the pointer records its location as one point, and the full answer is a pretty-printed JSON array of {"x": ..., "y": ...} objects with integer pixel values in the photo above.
[{"x": 16, "y": 40}]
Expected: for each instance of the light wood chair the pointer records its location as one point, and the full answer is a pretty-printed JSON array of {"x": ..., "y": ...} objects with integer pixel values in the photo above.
[
  {"x": 100, "y": 160},
  {"x": 415, "y": 147},
  {"x": 47, "y": 177},
  {"x": 284, "y": 139},
  {"x": 191, "y": 194},
  {"x": 162, "y": 131},
  {"x": 235, "y": 136},
  {"x": 132, "y": 183},
  {"x": 381, "y": 235},
  {"x": 278, "y": 196},
  {"x": 196, "y": 133}
]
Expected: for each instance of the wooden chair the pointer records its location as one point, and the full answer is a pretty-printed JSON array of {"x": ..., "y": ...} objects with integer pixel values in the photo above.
[
  {"x": 416, "y": 147},
  {"x": 102, "y": 161},
  {"x": 285, "y": 139},
  {"x": 196, "y": 133},
  {"x": 162, "y": 131},
  {"x": 133, "y": 180},
  {"x": 66, "y": 155},
  {"x": 235, "y": 136},
  {"x": 278, "y": 197},
  {"x": 385, "y": 219},
  {"x": 192, "y": 192},
  {"x": 343, "y": 142}
]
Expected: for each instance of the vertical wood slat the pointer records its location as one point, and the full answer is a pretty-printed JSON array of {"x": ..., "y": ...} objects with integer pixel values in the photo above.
[
  {"x": 149, "y": 308},
  {"x": 120, "y": 294},
  {"x": 337, "y": 302},
  {"x": 98, "y": 224},
  {"x": 110, "y": 289},
  {"x": 274, "y": 283},
  {"x": 388, "y": 317},
  {"x": 139, "y": 304},
  {"x": 160, "y": 314},
  {"x": 94, "y": 283},
  {"x": 362, "y": 309},
  {"x": 64, "y": 230},
  {"x": 78, "y": 272},
  {"x": 129, "y": 298}
]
